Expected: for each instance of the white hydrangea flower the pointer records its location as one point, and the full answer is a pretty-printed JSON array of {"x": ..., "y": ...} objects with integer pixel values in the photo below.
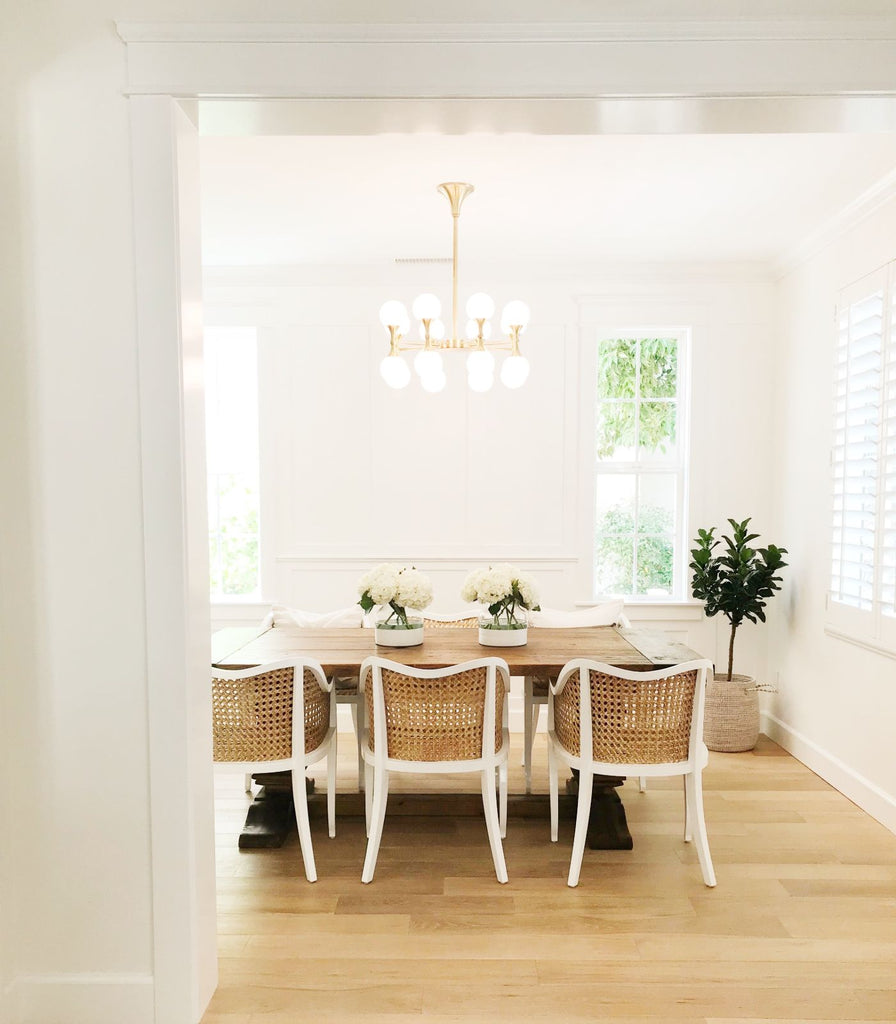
[
  {"x": 380, "y": 583},
  {"x": 470, "y": 590},
  {"x": 496, "y": 584},
  {"x": 414, "y": 589},
  {"x": 527, "y": 591}
]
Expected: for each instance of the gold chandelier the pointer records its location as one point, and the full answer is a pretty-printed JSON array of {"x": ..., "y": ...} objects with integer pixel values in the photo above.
[{"x": 480, "y": 308}]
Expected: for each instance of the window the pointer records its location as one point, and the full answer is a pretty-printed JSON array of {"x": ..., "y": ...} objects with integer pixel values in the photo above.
[
  {"x": 863, "y": 461},
  {"x": 231, "y": 397},
  {"x": 641, "y": 460}
]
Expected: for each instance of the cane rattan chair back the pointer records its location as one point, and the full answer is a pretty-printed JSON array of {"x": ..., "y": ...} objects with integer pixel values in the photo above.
[
  {"x": 346, "y": 686},
  {"x": 535, "y": 688},
  {"x": 435, "y": 721},
  {"x": 451, "y": 622},
  {"x": 278, "y": 717},
  {"x": 608, "y": 721}
]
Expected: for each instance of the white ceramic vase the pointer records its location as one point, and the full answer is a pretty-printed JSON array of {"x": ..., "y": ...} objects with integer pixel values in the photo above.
[{"x": 388, "y": 636}]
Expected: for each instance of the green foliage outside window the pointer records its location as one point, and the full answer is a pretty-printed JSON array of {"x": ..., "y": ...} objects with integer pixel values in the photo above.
[
  {"x": 630, "y": 369},
  {"x": 615, "y": 545},
  {"x": 637, "y": 388},
  {"x": 233, "y": 536}
]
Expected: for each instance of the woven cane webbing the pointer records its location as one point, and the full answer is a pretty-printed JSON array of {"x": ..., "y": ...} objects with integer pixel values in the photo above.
[
  {"x": 451, "y": 623},
  {"x": 252, "y": 717},
  {"x": 633, "y": 721},
  {"x": 436, "y": 719}
]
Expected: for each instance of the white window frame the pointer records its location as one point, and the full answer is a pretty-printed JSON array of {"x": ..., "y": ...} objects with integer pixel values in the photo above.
[
  {"x": 680, "y": 468},
  {"x": 872, "y": 626}
]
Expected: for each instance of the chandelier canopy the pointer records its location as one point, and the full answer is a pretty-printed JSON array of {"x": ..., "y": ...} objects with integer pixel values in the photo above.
[{"x": 477, "y": 336}]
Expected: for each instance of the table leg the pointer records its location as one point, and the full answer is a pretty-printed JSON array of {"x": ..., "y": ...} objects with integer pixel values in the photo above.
[
  {"x": 271, "y": 816},
  {"x": 607, "y": 825}
]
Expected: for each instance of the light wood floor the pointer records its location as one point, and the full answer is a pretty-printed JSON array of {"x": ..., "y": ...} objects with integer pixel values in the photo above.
[{"x": 801, "y": 928}]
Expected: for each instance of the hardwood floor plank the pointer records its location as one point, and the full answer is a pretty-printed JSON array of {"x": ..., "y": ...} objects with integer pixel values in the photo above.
[{"x": 800, "y": 929}]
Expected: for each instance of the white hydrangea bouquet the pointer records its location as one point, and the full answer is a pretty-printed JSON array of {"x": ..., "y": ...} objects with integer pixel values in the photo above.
[
  {"x": 507, "y": 596},
  {"x": 395, "y": 590}
]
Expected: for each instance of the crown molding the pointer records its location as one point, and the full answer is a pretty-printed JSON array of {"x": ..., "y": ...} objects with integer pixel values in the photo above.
[
  {"x": 707, "y": 30},
  {"x": 862, "y": 207}
]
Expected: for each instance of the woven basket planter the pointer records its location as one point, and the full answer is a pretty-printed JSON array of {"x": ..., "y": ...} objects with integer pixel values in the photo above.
[{"x": 731, "y": 722}]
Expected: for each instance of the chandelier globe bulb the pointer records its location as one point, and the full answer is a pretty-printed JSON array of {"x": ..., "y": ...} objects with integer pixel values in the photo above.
[
  {"x": 428, "y": 364},
  {"x": 515, "y": 314},
  {"x": 514, "y": 371},
  {"x": 480, "y": 382},
  {"x": 434, "y": 382},
  {"x": 395, "y": 372},
  {"x": 480, "y": 306},
  {"x": 480, "y": 364},
  {"x": 394, "y": 314},
  {"x": 426, "y": 306}
]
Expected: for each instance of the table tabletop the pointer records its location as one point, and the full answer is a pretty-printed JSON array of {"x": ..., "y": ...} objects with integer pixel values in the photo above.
[{"x": 545, "y": 653}]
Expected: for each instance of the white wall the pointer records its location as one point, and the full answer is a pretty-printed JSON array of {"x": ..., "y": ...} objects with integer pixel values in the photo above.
[
  {"x": 354, "y": 472},
  {"x": 75, "y": 858},
  {"x": 836, "y": 703}
]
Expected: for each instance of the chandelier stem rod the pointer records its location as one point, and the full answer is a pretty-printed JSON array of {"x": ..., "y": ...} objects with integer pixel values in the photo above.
[{"x": 455, "y": 218}]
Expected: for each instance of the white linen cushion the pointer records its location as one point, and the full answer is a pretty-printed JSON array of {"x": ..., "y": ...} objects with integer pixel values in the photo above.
[
  {"x": 609, "y": 613},
  {"x": 342, "y": 618}
]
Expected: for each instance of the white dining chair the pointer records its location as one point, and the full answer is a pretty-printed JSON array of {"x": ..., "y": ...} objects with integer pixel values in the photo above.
[
  {"x": 346, "y": 685},
  {"x": 435, "y": 721},
  {"x": 277, "y": 717},
  {"x": 535, "y": 688},
  {"x": 608, "y": 721}
]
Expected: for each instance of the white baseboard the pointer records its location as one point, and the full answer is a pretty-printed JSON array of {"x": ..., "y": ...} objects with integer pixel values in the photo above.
[
  {"x": 82, "y": 999},
  {"x": 862, "y": 792}
]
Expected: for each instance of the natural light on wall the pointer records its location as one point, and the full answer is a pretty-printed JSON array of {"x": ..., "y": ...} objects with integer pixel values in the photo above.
[
  {"x": 231, "y": 410},
  {"x": 640, "y": 466}
]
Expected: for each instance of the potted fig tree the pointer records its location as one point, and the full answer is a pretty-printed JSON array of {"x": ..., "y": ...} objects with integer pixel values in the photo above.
[{"x": 738, "y": 582}]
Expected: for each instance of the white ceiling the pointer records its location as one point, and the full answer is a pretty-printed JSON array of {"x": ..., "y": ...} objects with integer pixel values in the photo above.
[{"x": 334, "y": 200}]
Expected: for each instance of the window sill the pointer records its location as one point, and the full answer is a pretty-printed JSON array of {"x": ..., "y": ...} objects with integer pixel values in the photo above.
[
  {"x": 653, "y": 610},
  {"x": 875, "y": 646}
]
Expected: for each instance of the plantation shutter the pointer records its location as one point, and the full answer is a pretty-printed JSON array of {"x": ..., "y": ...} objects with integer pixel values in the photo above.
[
  {"x": 888, "y": 469},
  {"x": 857, "y": 405}
]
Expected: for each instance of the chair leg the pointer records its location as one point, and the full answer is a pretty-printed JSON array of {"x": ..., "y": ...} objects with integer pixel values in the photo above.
[
  {"x": 300, "y": 801},
  {"x": 489, "y": 806},
  {"x": 357, "y": 723},
  {"x": 502, "y": 797},
  {"x": 530, "y": 716},
  {"x": 694, "y": 784},
  {"x": 553, "y": 788},
  {"x": 331, "y": 787},
  {"x": 642, "y": 784},
  {"x": 248, "y": 782},
  {"x": 368, "y": 796},
  {"x": 378, "y": 815},
  {"x": 583, "y": 812},
  {"x": 527, "y": 725},
  {"x": 688, "y": 821}
]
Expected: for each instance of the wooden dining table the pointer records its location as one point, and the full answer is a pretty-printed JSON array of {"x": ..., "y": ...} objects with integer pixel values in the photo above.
[{"x": 341, "y": 652}]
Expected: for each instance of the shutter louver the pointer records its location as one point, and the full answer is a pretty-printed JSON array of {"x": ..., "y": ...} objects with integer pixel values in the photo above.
[
  {"x": 888, "y": 470},
  {"x": 855, "y": 464}
]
